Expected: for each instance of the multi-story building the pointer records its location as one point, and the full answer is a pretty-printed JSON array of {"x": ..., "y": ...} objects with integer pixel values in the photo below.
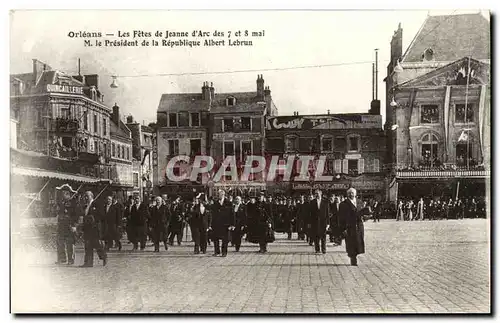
[
  {"x": 143, "y": 137},
  {"x": 353, "y": 146},
  {"x": 238, "y": 129},
  {"x": 121, "y": 156},
  {"x": 438, "y": 109},
  {"x": 182, "y": 127},
  {"x": 63, "y": 135}
]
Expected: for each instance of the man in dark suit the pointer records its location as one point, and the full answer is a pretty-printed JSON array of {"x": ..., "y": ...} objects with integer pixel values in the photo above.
[
  {"x": 111, "y": 223},
  {"x": 139, "y": 215},
  {"x": 352, "y": 226},
  {"x": 240, "y": 219},
  {"x": 320, "y": 221},
  {"x": 335, "y": 233},
  {"x": 198, "y": 221},
  {"x": 302, "y": 216},
  {"x": 159, "y": 223},
  {"x": 91, "y": 219},
  {"x": 220, "y": 221},
  {"x": 176, "y": 221}
]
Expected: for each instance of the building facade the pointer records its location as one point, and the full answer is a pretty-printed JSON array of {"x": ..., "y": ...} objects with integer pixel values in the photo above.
[
  {"x": 182, "y": 129},
  {"x": 238, "y": 129},
  {"x": 353, "y": 146},
  {"x": 438, "y": 109}
]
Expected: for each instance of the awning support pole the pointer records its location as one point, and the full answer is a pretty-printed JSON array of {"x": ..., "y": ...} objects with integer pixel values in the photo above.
[{"x": 33, "y": 200}]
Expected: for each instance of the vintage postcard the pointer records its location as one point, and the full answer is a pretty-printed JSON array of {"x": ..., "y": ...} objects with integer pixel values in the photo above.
[{"x": 250, "y": 161}]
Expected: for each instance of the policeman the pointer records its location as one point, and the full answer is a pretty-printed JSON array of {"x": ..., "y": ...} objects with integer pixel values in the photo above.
[{"x": 67, "y": 220}]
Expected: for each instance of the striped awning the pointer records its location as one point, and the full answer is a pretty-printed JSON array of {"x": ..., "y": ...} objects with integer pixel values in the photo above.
[{"x": 44, "y": 173}]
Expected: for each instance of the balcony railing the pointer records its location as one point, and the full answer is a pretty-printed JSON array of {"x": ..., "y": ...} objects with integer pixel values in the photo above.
[
  {"x": 65, "y": 125},
  {"x": 445, "y": 171}
]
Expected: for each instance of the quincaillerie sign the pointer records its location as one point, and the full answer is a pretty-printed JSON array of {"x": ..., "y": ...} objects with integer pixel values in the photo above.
[{"x": 338, "y": 121}]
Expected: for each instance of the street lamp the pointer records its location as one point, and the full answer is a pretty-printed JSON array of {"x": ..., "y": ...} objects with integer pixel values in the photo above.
[{"x": 114, "y": 84}]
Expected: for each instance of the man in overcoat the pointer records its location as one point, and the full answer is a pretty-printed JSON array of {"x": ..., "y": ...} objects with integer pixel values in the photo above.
[
  {"x": 91, "y": 234},
  {"x": 320, "y": 221},
  {"x": 198, "y": 222},
  {"x": 138, "y": 218},
  {"x": 220, "y": 221},
  {"x": 240, "y": 220},
  {"x": 159, "y": 223},
  {"x": 352, "y": 226},
  {"x": 111, "y": 223}
]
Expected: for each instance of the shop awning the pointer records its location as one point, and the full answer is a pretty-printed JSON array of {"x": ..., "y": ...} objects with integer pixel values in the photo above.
[{"x": 44, "y": 173}]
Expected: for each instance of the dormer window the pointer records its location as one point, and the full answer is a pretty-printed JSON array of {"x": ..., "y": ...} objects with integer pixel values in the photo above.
[
  {"x": 231, "y": 101},
  {"x": 428, "y": 55}
]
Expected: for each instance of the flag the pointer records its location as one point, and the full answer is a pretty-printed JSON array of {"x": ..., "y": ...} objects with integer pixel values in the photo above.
[{"x": 464, "y": 136}]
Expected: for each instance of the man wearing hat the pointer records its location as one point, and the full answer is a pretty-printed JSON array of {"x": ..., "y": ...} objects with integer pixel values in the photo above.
[
  {"x": 176, "y": 222},
  {"x": 67, "y": 220},
  {"x": 91, "y": 219},
  {"x": 198, "y": 221},
  {"x": 352, "y": 226},
  {"x": 220, "y": 221}
]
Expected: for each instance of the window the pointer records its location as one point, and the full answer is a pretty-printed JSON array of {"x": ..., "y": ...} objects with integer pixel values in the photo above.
[
  {"x": 195, "y": 145},
  {"x": 39, "y": 116},
  {"x": 376, "y": 166},
  {"x": 195, "y": 119},
  {"x": 123, "y": 152},
  {"x": 246, "y": 123},
  {"x": 340, "y": 144},
  {"x": 463, "y": 115},
  {"x": 95, "y": 123},
  {"x": 352, "y": 166},
  {"x": 104, "y": 126},
  {"x": 172, "y": 119},
  {"x": 105, "y": 149},
  {"x": 136, "y": 179},
  {"x": 246, "y": 149},
  {"x": 327, "y": 144},
  {"x": 353, "y": 143},
  {"x": 430, "y": 150},
  {"x": 65, "y": 114},
  {"x": 183, "y": 119},
  {"x": 231, "y": 101},
  {"x": 67, "y": 142},
  {"x": 85, "y": 121},
  {"x": 228, "y": 148},
  {"x": 113, "y": 150},
  {"x": 96, "y": 147},
  {"x": 429, "y": 113},
  {"x": 292, "y": 143},
  {"x": 228, "y": 125},
  {"x": 173, "y": 147},
  {"x": 464, "y": 153},
  {"x": 128, "y": 153}
]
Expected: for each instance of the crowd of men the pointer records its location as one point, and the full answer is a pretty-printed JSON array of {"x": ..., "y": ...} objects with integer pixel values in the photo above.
[
  {"x": 220, "y": 220},
  {"x": 430, "y": 209}
]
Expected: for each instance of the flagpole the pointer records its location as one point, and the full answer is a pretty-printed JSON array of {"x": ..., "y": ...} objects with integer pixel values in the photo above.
[{"x": 466, "y": 101}]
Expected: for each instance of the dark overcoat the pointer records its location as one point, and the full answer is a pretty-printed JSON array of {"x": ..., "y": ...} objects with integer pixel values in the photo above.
[
  {"x": 319, "y": 218},
  {"x": 111, "y": 222},
  {"x": 258, "y": 221},
  {"x": 220, "y": 219},
  {"x": 158, "y": 222},
  {"x": 352, "y": 225}
]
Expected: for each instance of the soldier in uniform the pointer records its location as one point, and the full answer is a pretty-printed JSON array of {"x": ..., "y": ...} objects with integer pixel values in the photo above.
[
  {"x": 67, "y": 220},
  {"x": 91, "y": 219}
]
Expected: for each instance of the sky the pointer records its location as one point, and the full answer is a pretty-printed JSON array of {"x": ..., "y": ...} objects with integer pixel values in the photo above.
[{"x": 292, "y": 39}]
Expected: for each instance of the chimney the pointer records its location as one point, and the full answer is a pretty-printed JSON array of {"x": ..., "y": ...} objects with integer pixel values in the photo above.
[
  {"x": 396, "y": 47},
  {"x": 212, "y": 91},
  {"x": 130, "y": 119},
  {"x": 92, "y": 80},
  {"x": 260, "y": 86},
  {"x": 116, "y": 114},
  {"x": 38, "y": 69},
  {"x": 375, "y": 107},
  {"x": 267, "y": 91},
  {"x": 205, "y": 91}
]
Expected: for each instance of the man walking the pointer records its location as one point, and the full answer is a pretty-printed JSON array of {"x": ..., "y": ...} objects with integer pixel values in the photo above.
[
  {"x": 159, "y": 224},
  {"x": 198, "y": 221},
  {"x": 352, "y": 226},
  {"x": 111, "y": 223},
  {"x": 67, "y": 219},
  {"x": 319, "y": 221},
  {"x": 91, "y": 220},
  {"x": 220, "y": 221},
  {"x": 138, "y": 220}
]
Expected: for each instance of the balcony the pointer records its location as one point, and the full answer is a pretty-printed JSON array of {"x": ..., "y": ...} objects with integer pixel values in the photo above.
[
  {"x": 445, "y": 171},
  {"x": 65, "y": 125}
]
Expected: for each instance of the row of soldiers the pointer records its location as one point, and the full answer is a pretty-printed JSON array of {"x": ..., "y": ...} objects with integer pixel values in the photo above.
[{"x": 220, "y": 220}]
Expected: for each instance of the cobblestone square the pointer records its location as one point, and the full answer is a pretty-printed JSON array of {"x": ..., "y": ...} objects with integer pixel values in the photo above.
[{"x": 409, "y": 267}]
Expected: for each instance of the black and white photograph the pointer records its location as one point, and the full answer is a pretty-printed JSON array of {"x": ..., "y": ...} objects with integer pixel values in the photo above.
[{"x": 250, "y": 161}]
